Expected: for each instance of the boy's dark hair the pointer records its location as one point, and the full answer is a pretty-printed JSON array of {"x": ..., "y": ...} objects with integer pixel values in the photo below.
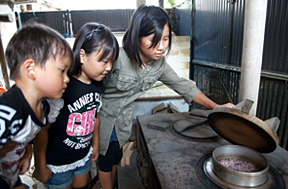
[
  {"x": 94, "y": 37},
  {"x": 36, "y": 41},
  {"x": 145, "y": 21}
]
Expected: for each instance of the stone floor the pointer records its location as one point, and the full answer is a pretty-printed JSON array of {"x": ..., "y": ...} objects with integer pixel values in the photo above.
[{"x": 128, "y": 176}]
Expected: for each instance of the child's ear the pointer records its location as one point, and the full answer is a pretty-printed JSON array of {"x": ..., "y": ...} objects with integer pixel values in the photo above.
[
  {"x": 82, "y": 56},
  {"x": 29, "y": 68}
]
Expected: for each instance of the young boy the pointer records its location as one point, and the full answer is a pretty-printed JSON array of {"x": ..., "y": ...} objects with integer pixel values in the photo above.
[{"x": 38, "y": 58}]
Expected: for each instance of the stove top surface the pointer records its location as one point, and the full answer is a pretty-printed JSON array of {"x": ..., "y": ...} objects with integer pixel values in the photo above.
[{"x": 175, "y": 157}]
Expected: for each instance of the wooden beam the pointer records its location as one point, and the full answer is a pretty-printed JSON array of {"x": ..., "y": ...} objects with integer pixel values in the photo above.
[{"x": 127, "y": 152}]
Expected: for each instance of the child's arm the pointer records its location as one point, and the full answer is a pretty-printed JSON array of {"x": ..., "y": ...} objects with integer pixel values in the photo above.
[
  {"x": 7, "y": 147},
  {"x": 41, "y": 172},
  {"x": 24, "y": 162},
  {"x": 95, "y": 139},
  {"x": 20, "y": 187},
  {"x": 208, "y": 103}
]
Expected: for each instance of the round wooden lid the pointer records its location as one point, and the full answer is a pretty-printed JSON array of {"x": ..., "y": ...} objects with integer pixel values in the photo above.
[{"x": 243, "y": 129}]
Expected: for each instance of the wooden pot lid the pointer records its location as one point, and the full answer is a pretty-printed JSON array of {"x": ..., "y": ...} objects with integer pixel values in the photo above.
[{"x": 243, "y": 129}]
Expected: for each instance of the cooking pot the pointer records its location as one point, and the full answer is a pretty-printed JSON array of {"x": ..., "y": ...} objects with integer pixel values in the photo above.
[{"x": 245, "y": 179}]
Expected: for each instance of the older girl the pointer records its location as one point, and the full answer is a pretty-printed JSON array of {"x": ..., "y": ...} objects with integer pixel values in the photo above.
[{"x": 141, "y": 63}]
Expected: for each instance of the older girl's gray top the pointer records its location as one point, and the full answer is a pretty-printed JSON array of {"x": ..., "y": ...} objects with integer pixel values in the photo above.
[{"x": 124, "y": 84}]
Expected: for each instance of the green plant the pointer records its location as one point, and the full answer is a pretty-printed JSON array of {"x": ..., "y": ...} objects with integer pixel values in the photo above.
[{"x": 172, "y": 3}]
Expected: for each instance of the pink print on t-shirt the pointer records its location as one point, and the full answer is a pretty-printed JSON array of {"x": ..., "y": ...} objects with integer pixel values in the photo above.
[{"x": 81, "y": 124}]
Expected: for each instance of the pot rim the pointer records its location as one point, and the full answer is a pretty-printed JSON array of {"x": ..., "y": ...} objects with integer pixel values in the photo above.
[
  {"x": 244, "y": 147},
  {"x": 239, "y": 178}
]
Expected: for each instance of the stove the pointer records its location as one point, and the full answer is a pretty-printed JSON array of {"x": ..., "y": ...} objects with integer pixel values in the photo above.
[{"x": 171, "y": 156}]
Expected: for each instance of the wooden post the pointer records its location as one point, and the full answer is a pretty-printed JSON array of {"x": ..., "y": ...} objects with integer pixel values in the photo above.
[
  {"x": 3, "y": 66},
  {"x": 4, "y": 18},
  {"x": 161, "y": 4}
]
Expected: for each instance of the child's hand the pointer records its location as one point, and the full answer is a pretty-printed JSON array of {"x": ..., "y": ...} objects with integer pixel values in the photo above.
[
  {"x": 24, "y": 162},
  {"x": 23, "y": 165},
  {"x": 42, "y": 175},
  {"x": 95, "y": 154},
  {"x": 7, "y": 147},
  {"x": 228, "y": 105}
]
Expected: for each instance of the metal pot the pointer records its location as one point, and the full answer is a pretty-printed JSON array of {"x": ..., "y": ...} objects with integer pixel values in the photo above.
[{"x": 243, "y": 179}]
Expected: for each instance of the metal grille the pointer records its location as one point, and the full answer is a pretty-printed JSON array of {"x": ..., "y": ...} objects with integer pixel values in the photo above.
[
  {"x": 116, "y": 20},
  {"x": 55, "y": 20},
  {"x": 273, "y": 95},
  {"x": 211, "y": 31},
  {"x": 68, "y": 23},
  {"x": 275, "y": 55},
  {"x": 216, "y": 46},
  {"x": 221, "y": 85}
]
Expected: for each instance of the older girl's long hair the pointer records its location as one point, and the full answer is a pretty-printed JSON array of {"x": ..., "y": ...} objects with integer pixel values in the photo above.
[{"x": 146, "y": 20}]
